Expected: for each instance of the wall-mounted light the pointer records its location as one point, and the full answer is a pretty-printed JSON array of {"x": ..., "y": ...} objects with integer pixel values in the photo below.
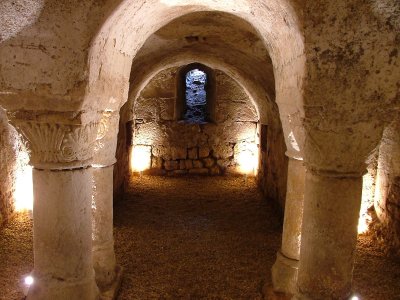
[{"x": 26, "y": 282}]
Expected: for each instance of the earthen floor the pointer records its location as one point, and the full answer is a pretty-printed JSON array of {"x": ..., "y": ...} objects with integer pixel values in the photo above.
[{"x": 195, "y": 238}]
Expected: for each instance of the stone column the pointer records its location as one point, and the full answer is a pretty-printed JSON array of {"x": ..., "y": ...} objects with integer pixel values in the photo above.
[
  {"x": 285, "y": 269},
  {"x": 61, "y": 147},
  {"x": 106, "y": 269},
  {"x": 329, "y": 234}
]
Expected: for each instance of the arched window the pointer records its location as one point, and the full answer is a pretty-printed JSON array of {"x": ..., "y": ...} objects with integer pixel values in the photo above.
[{"x": 195, "y": 94}]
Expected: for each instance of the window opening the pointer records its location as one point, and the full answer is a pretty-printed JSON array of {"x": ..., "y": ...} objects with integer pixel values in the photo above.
[{"x": 196, "y": 96}]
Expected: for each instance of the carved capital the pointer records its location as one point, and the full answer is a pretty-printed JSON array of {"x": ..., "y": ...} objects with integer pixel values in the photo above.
[
  {"x": 57, "y": 140},
  {"x": 106, "y": 142}
]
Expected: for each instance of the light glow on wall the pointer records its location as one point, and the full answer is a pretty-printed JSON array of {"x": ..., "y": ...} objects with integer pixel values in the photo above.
[
  {"x": 23, "y": 194},
  {"x": 25, "y": 283},
  {"x": 221, "y": 3},
  {"x": 140, "y": 158},
  {"x": 28, "y": 280},
  {"x": 367, "y": 201},
  {"x": 246, "y": 156},
  {"x": 293, "y": 141}
]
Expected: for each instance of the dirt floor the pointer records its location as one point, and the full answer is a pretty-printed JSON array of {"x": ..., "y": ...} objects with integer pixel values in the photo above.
[{"x": 196, "y": 238}]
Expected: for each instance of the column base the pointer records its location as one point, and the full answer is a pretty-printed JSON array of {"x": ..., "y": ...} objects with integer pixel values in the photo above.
[
  {"x": 270, "y": 294},
  {"x": 104, "y": 265},
  {"x": 284, "y": 274},
  {"x": 111, "y": 292},
  {"x": 57, "y": 288}
]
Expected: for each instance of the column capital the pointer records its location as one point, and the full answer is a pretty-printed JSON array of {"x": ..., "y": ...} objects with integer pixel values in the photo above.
[
  {"x": 57, "y": 140},
  {"x": 106, "y": 141},
  {"x": 333, "y": 173}
]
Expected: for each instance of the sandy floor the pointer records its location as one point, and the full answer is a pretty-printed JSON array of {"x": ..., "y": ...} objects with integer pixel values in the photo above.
[
  {"x": 16, "y": 256},
  {"x": 188, "y": 238},
  {"x": 195, "y": 238}
]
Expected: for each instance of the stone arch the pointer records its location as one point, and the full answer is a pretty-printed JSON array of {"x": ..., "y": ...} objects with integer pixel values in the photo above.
[
  {"x": 114, "y": 48},
  {"x": 260, "y": 93},
  {"x": 162, "y": 63}
]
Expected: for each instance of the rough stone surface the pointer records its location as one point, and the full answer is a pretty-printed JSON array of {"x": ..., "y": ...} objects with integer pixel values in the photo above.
[
  {"x": 178, "y": 153},
  {"x": 13, "y": 159},
  {"x": 208, "y": 162},
  {"x": 157, "y": 162},
  {"x": 104, "y": 262},
  {"x": 178, "y": 172},
  {"x": 197, "y": 164},
  {"x": 121, "y": 169},
  {"x": 327, "y": 71},
  {"x": 193, "y": 153},
  {"x": 273, "y": 168},
  {"x": 215, "y": 170},
  {"x": 317, "y": 279},
  {"x": 204, "y": 152},
  {"x": 200, "y": 171},
  {"x": 285, "y": 269},
  {"x": 171, "y": 165},
  {"x": 71, "y": 223},
  {"x": 202, "y": 144},
  {"x": 188, "y": 164},
  {"x": 387, "y": 191}
]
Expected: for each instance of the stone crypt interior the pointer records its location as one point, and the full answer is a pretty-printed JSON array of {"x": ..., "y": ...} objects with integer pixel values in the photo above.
[{"x": 176, "y": 149}]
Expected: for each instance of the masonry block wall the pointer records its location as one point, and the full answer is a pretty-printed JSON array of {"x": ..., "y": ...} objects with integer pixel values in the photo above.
[{"x": 177, "y": 147}]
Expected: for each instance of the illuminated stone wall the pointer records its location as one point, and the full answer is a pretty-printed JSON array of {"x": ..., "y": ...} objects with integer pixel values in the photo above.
[
  {"x": 9, "y": 148},
  {"x": 121, "y": 168},
  {"x": 227, "y": 145},
  {"x": 387, "y": 189},
  {"x": 273, "y": 169}
]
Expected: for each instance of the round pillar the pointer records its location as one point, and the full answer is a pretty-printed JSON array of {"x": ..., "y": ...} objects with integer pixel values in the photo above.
[
  {"x": 285, "y": 269},
  {"x": 103, "y": 241},
  {"x": 61, "y": 148},
  {"x": 329, "y": 235},
  {"x": 108, "y": 274},
  {"x": 62, "y": 235}
]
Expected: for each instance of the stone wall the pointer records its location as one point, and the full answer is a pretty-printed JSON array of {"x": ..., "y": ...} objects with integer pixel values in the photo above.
[
  {"x": 121, "y": 167},
  {"x": 9, "y": 149},
  {"x": 387, "y": 191},
  {"x": 273, "y": 169},
  {"x": 177, "y": 147}
]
